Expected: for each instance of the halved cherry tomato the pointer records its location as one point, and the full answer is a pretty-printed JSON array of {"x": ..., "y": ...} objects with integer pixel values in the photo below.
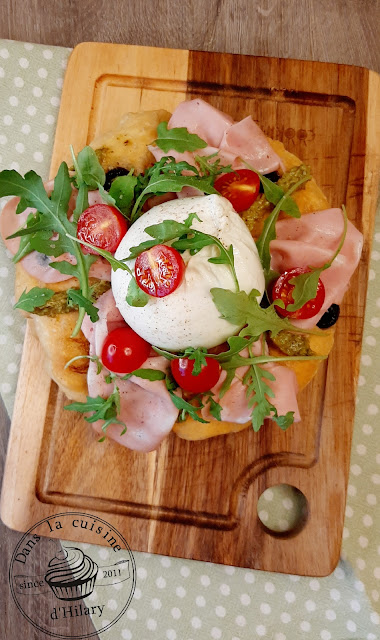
[
  {"x": 124, "y": 350},
  {"x": 282, "y": 290},
  {"x": 182, "y": 373},
  {"x": 241, "y": 188},
  {"x": 103, "y": 226},
  {"x": 159, "y": 270}
]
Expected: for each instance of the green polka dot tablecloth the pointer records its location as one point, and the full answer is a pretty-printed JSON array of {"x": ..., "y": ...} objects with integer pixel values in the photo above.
[{"x": 183, "y": 599}]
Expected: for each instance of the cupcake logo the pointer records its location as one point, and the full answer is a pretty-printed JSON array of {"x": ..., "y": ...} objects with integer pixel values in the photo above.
[
  {"x": 71, "y": 574},
  {"x": 74, "y": 581}
]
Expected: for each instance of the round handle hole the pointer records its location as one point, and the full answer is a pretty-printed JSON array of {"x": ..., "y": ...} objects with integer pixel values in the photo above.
[{"x": 282, "y": 509}]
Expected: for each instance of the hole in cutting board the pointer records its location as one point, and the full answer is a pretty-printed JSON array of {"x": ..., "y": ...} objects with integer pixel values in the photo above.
[{"x": 282, "y": 509}]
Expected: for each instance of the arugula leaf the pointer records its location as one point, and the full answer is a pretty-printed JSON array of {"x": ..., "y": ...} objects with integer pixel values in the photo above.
[
  {"x": 199, "y": 357},
  {"x": 136, "y": 297},
  {"x": 115, "y": 264},
  {"x": 305, "y": 284},
  {"x": 258, "y": 392},
  {"x": 214, "y": 407},
  {"x": 106, "y": 409},
  {"x": 163, "y": 183},
  {"x": 88, "y": 168},
  {"x": 210, "y": 165},
  {"x": 146, "y": 374},
  {"x": 186, "y": 408},
  {"x": 52, "y": 217},
  {"x": 79, "y": 299},
  {"x": 164, "y": 232},
  {"x": 25, "y": 246},
  {"x": 178, "y": 139},
  {"x": 33, "y": 298},
  {"x": 123, "y": 192}
]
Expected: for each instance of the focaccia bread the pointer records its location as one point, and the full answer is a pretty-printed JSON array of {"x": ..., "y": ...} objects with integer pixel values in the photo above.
[{"x": 126, "y": 147}]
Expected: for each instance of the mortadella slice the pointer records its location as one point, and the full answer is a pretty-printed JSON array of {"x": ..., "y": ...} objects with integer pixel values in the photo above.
[
  {"x": 310, "y": 241},
  {"x": 247, "y": 140},
  {"x": 201, "y": 118}
]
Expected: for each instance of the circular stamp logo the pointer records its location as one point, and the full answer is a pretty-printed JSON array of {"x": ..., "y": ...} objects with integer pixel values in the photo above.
[{"x": 52, "y": 581}]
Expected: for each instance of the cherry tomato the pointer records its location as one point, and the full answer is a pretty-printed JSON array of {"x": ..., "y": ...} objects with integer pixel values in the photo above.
[
  {"x": 282, "y": 290},
  {"x": 159, "y": 270},
  {"x": 103, "y": 226},
  {"x": 182, "y": 373},
  {"x": 124, "y": 351},
  {"x": 241, "y": 188}
]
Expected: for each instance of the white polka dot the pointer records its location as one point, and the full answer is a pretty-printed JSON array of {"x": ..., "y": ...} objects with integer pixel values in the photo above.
[
  {"x": 216, "y": 633},
  {"x": 225, "y": 589},
  {"x": 5, "y": 387},
  {"x": 4, "y": 53},
  {"x": 375, "y": 322},
  {"x": 15, "y": 166},
  {"x": 346, "y": 533},
  {"x": 245, "y": 599},
  {"x": 166, "y": 562},
  {"x": 335, "y": 594},
  {"x": 185, "y": 571},
  {"x": 240, "y": 621},
  {"x": 37, "y": 92},
  {"x": 47, "y": 54},
  {"x": 156, "y": 603},
  {"x": 371, "y": 340},
  {"x": 181, "y": 592},
  {"x": 4, "y": 272},
  {"x": 8, "y": 120},
  {"x": 12, "y": 367},
  {"x": 49, "y": 119},
  {"x": 363, "y": 542},
  {"x": 31, "y": 110},
  {"x": 310, "y": 605},
  {"x": 200, "y": 601},
  {"x": 377, "y": 389},
  {"x": 54, "y": 101},
  {"x": 330, "y": 614},
  {"x": 2, "y": 72},
  {"x": 361, "y": 381},
  {"x": 220, "y": 611},
  {"x": 229, "y": 570},
  {"x": 359, "y": 586},
  {"x": 360, "y": 563},
  {"x": 28, "y": 46},
  {"x": 285, "y": 617},
  {"x": 9, "y": 320},
  {"x": 205, "y": 581},
  {"x": 305, "y": 625},
  {"x": 375, "y": 595},
  {"x": 371, "y": 274},
  {"x": 375, "y": 617},
  {"x": 375, "y": 255},
  {"x": 249, "y": 578},
  {"x": 104, "y": 553},
  {"x": 349, "y": 511},
  {"x": 161, "y": 582},
  {"x": 367, "y": 429},
  {"x": 196, "y": 622},
  {"x": 288, "y": 504},
  {"x": 131, "y": 614},
  {"x": 20, "y": 148},
  {"x": 371, "y": 499},
  {"x": 261, "y": 630},
  {"x": 290, "y": 596},
  {"x": 59, "y": 83},
  {"x": 151, "y": 624},
  {"x": 176, "y": 613},
  {"x": 351, "y": 626},
  {"x": 351, "y": 490},
  {"x": 126, "y": 634},
  {"x": 325, "y": 635},
  {"x": 375, "y": 478},
  {"x": 373, "y": 409},
  {"x": 268, "y": 495},
  {"x": 38, "y": 156},
  {"x": 314, "y": 584},
  {"x": 18, "y": 348},
  {"x": 142, "y": 573},
  {"x": 137, "y": 594},
  {"x": 361, "y": 449},
  {"x": 265, "y": 608},
  {"x": 3, "y": 339},
  {"x": 24, "y": 63},
  {"x": 18, "y": 82},
  {"x": 13, "y": 101},
  {"x": 294, "y": 578},
  {"x": 112, "y": 604},
  {"x": 171, "y": 634},
  {"x": 269, "y": 587},
  {"x": 42, "y": 72},
  {"x": 376, "y": 573},
  {"x": 367, "y": 520},
  {"x": 366, "y": 360},
  {"x": 3, "y": 140},
  {"x": 279, "y": 636},
  {"x": 355, "y": 605},
  {"x": 371, "y": 636},
  {"x": 356, "y": 470}
]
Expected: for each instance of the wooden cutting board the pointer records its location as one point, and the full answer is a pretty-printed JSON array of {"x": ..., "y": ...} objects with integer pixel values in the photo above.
[{"x": 199, "y": 499}]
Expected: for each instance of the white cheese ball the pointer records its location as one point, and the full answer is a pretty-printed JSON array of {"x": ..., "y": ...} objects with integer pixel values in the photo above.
[{"x": 188, "y": 317}]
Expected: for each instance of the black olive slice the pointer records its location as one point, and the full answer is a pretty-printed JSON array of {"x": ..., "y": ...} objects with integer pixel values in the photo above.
[
  {"x": 330, "y": 317},
  {"x": 112, "y": 174}
]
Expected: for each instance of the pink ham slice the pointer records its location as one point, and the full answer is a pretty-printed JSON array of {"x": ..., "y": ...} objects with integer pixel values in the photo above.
[
  {"x": 234, "y": 402},
  {"x": 37, "y": 264},
  {"x": 145, "y": 407},
  {"x": 311, "y": 241},
  {"x": 201, "y": 118},
  {"x": 245, "y": 139}
]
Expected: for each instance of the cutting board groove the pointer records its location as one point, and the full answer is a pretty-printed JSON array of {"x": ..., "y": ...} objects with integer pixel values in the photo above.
[{"x": 199, "y": 499}]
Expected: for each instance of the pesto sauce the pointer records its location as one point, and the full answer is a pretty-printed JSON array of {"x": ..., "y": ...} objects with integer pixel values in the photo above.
[
  {"x": 59, "y": 303},
  {"x": 293, "y": 344}
]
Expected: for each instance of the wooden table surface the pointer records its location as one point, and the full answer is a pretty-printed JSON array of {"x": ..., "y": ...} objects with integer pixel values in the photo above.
[{"x": 346, "y": 31}]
